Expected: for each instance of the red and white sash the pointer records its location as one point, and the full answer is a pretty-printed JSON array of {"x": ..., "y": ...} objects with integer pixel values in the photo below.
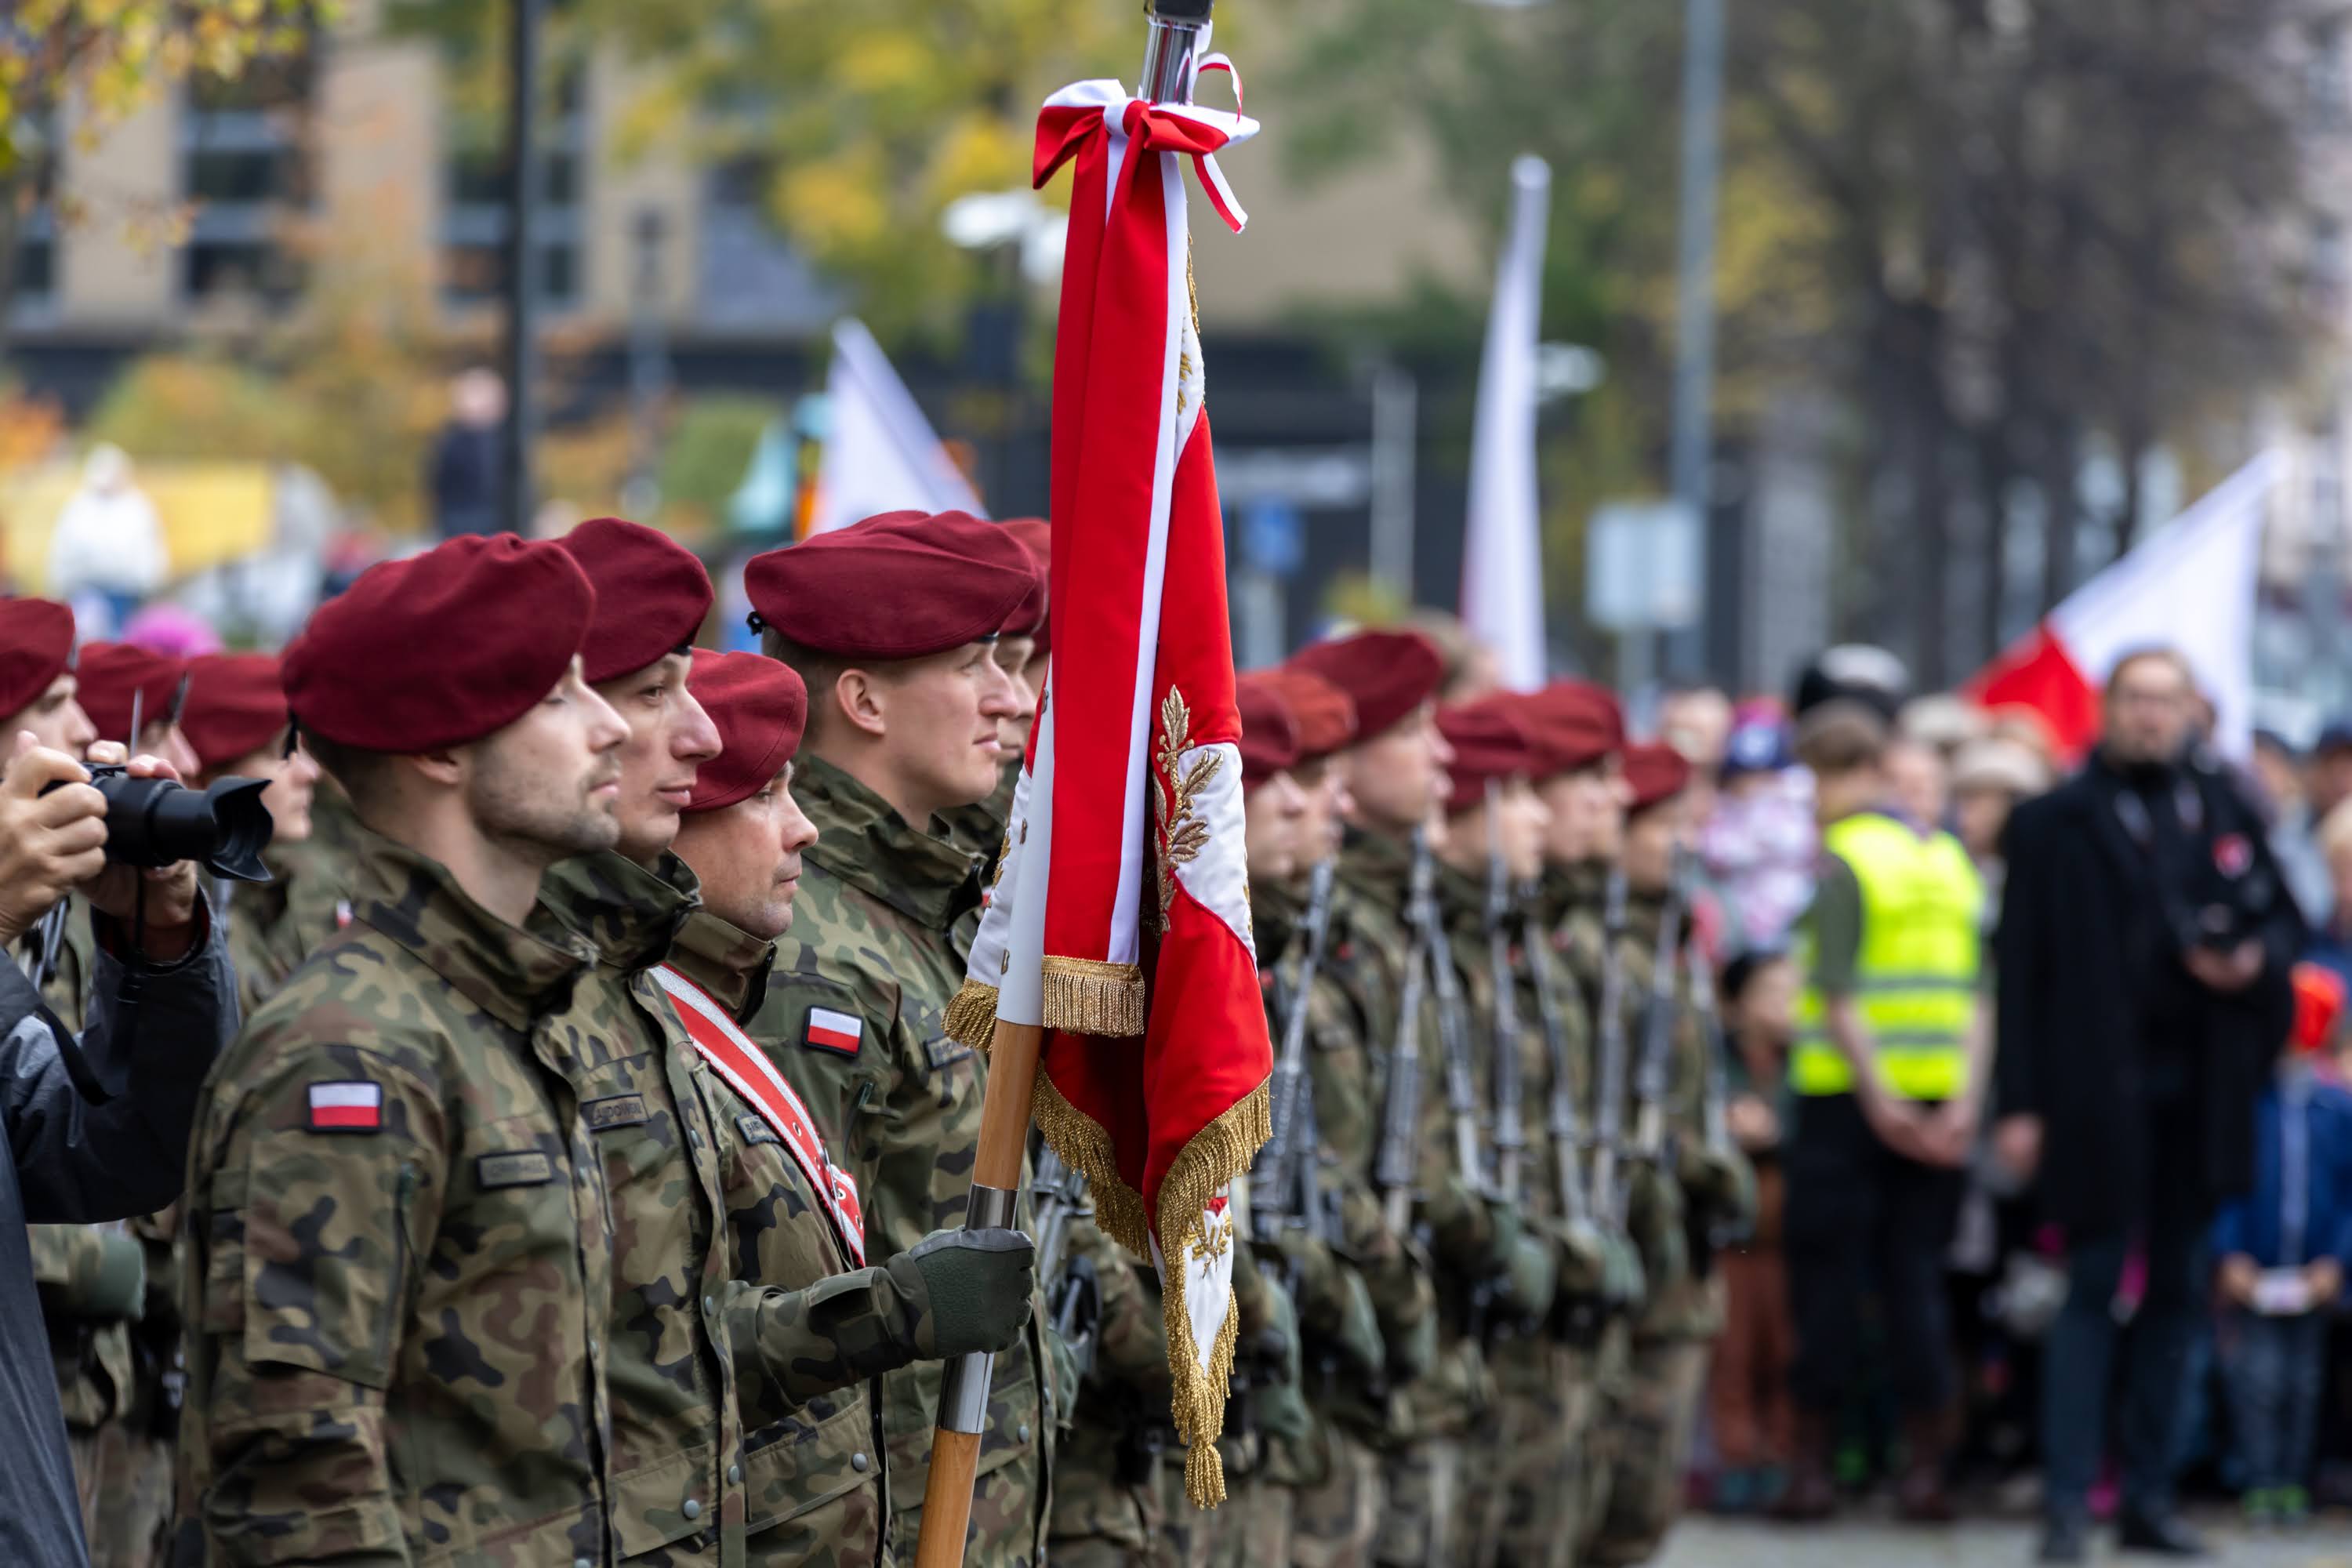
[{"x": 729, "y": 1052}]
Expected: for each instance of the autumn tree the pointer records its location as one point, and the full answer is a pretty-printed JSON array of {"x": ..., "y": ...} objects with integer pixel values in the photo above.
[{"x": 105, "y": 58}]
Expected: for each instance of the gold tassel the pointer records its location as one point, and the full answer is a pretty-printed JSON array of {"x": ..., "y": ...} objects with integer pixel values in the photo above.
[
  {"x": 1217, "y": 1154},
  {"x": 1087, "y": 996},
  {"x": 1086, "y": 1148},
  {"x": 971, "y": 1015}
]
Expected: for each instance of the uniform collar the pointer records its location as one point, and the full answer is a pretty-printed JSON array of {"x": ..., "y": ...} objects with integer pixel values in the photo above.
[
  {"x": 630, "y": 914},
  {"x": 725, "y": 960},
  {"x": 1379, "y": 865},
  {"x": 511, "y": 974},
  {"x": 863, "y": 840}
]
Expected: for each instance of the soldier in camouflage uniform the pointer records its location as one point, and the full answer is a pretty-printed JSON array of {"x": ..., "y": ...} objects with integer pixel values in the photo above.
[
  {"x": 397, "y": 1251},
  {"x": 1527, "y": 1455},
  {"x": 1395, "y": 779},
  {"x": 891, "y": 624},
  {"x": 1112, "y": 1502},
  {"x": 814, "y": 1465},
  {"x": 236, "y": 725},
  {"x": 1021, "y": 653},
  {"x": 1654, "y": 1408}
]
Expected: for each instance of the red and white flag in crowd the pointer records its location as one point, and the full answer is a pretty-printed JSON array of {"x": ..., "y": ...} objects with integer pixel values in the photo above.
[
  {"x": 2191, "y": 587},
  {"x": 1502, "y": 560},
  {"x": 880, "y": 454},
  {"x": 1120, "y": 917}
]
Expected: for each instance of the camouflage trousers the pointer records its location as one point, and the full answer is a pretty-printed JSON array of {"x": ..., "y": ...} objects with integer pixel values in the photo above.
[
  {"x": 1421, "y": 1525},
  {"x": 125, "y": 1481},
  {"x": 1251, "y": 1527},
  {"x": 1006, "y": 1510},
  {"x": 1606, "y": 1366},
  {"x": 1652, "y": 1421},
  {"x": 1523, "y": 1484},
  {"x": 1333, "y": 1524}
]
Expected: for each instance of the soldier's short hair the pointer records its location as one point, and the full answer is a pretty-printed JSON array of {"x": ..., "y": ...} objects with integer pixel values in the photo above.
[
  {"x": 1842, "y": 736},
  {"x": 360, "y": 772},
  {"x": 818, "y": 670}
]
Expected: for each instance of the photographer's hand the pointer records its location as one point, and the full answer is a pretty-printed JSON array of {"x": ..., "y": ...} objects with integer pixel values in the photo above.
[
  {"x": 2225, "y": 971},
  {"x": 49, "y": 843},
  {"x": 172, "y": 895}
]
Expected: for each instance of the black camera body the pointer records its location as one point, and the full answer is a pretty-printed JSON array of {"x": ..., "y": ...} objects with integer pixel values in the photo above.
[{"x": 154, "y": 823}]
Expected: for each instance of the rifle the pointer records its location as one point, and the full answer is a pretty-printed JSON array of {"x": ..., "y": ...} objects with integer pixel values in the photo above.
[
  {"x": 1287, "y": 1163},
  {"x": 1510, "y": 1137},
  {"x": 1393, "y": 1167},
  {"x": 1651, "y": 1083},
  {"x": 1609, "y": 1109},
  {"x": 1714, "y": 1108},
  {"x": 1561, "y": 1122},
  {"x": 1453, "y": 1027},
  {"x": 1072, "y": 1294}
]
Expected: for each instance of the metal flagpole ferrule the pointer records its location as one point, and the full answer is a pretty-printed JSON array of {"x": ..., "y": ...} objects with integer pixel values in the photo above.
[
  {"x": 1178, "y": 28},
  {"x": 964, "y": 1386}
]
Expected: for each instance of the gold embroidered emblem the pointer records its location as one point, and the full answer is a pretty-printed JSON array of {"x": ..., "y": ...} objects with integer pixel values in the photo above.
[
  {"x": 1182, "y": 835},
  {"x": 1216, "y": 1239}
]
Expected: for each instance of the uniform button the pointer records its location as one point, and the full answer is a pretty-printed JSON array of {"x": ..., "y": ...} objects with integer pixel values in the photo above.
[
  {"x": 692, "y": 1510},
  {"x": 1024, "y": 1431},
  {"x": 734, "y": 1475},
  {"x": 858, "y": 1462}
]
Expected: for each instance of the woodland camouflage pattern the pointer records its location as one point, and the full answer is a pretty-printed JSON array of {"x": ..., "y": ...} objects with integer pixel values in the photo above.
[
  {"x": 421, "y": 1292},
  {"x": 1111, "y": 1509},
  {"x": 813, "y": 1467},
  {"x": 882, "y": 918},
  {"x": 273, "y": 926}
]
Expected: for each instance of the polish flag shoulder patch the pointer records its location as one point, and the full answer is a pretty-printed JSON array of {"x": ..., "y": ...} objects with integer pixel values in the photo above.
[
  {"x": 353, "y": 1107},
  {"x": 839, "y": 1033}
]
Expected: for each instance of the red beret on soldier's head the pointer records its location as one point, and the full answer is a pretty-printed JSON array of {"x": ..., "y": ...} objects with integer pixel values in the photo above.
[
  {"x": 1028, "y": 617},
  {"x": 235, "y": 707},
  {"x": 1656, "y": 773},
  {"x": 901, "y": 586},
  {"x": 110, "y": 675},
  {"x": 1387, "y": 674},
  {"x": 37, "y": 644},
  {"x": 440, "y": 649},
  {"x": 1323, "y": 715},
  {"x": 761, "y": 707},
  {"x": 652, "y": 594},
  {"x": 1488, "y": 743},
  {"x": 1269, "y": 741},
  {"x": 1573, "y": 725}
]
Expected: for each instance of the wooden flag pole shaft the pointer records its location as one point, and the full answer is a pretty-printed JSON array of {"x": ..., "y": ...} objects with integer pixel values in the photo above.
[{"x": 996, "y": 1169}]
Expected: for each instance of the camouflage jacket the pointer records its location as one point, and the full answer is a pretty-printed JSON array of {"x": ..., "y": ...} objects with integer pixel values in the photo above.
[
  {"x": 813, "y": 1464},
  {"x": 273, "y": 925},
  {"x": 1372, "y": 947},
  {"x": 676, "y": 1455},
  {"x": 1106, "y": 1475},
  {"x": 982, "y": 826},
  {"x": 398, "y": 1260},
  {"x": 854, "y": 1015}
]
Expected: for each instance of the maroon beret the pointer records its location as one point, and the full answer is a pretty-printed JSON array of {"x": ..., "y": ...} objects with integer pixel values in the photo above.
[
  {"x": 1573, "y": 724},
  {"x": 900, "y": 586},
  {"x": 111, "y": 673},
  {"x": 1269, "y": 741},
  {"x": 651, "y": 594},
  {"x": 1388, "y": 674},
  {"x": 1488, "y": 743},
  {"x": 1324, "y": 715},
  {"x": 760, "y": 707},
  {"x": 1028, "y": 617},
  {"x": 440, "y": 649},
  {"x": 1656, "y": 773},
  {"x": 37, "y": 644},
  {"x": 235, "y": 706}
]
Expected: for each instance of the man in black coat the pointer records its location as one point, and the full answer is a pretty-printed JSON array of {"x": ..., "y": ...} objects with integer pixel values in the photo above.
[{"x": 2145, "y": 945}]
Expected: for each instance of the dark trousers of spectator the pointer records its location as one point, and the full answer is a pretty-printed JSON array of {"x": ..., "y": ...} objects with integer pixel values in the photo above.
[
  {"x": 2276, "y": 1367},
  {"x": 1751, "y": 1411},
  {"x": 2079, "y": 1364},
  {"x": 1865, "y": 1221}
]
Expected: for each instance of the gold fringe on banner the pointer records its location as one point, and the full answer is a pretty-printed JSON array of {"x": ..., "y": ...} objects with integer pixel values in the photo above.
[
  {"x": 1086, "y": 1148},
  {"x": 1217, "y": 1154},
  {"x": 1088, "y": 996},
  {"x": 971, "y": 1015}
]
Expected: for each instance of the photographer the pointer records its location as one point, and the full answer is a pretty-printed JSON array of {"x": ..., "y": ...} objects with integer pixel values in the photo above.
[
  {"x": 97, "y": 1128},
  {"x": 2144, "y": 947}
]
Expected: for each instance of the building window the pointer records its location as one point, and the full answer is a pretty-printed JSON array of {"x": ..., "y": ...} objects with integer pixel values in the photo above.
[
  {"x": 245, "y": 175},
  {"x": 36, "y": 277},
  {"x": 474, "y": 225}
]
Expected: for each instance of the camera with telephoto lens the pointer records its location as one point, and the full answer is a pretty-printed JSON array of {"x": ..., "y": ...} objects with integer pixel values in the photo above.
[{"x": 155, "y": 822}]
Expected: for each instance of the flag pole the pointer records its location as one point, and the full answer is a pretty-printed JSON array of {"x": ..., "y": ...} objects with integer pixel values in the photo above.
[{"x": 1176, "y": 29}]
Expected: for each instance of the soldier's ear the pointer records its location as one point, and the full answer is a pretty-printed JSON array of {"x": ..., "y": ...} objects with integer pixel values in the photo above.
[{"x": 862, "y": 700}]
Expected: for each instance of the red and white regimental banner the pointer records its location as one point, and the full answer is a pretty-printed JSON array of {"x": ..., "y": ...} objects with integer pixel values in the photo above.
[{"x": 1120, "y": 917}]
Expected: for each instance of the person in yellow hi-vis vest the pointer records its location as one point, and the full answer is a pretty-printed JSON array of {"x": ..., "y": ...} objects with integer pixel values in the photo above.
[{"x": 1888, "y": 1070}]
